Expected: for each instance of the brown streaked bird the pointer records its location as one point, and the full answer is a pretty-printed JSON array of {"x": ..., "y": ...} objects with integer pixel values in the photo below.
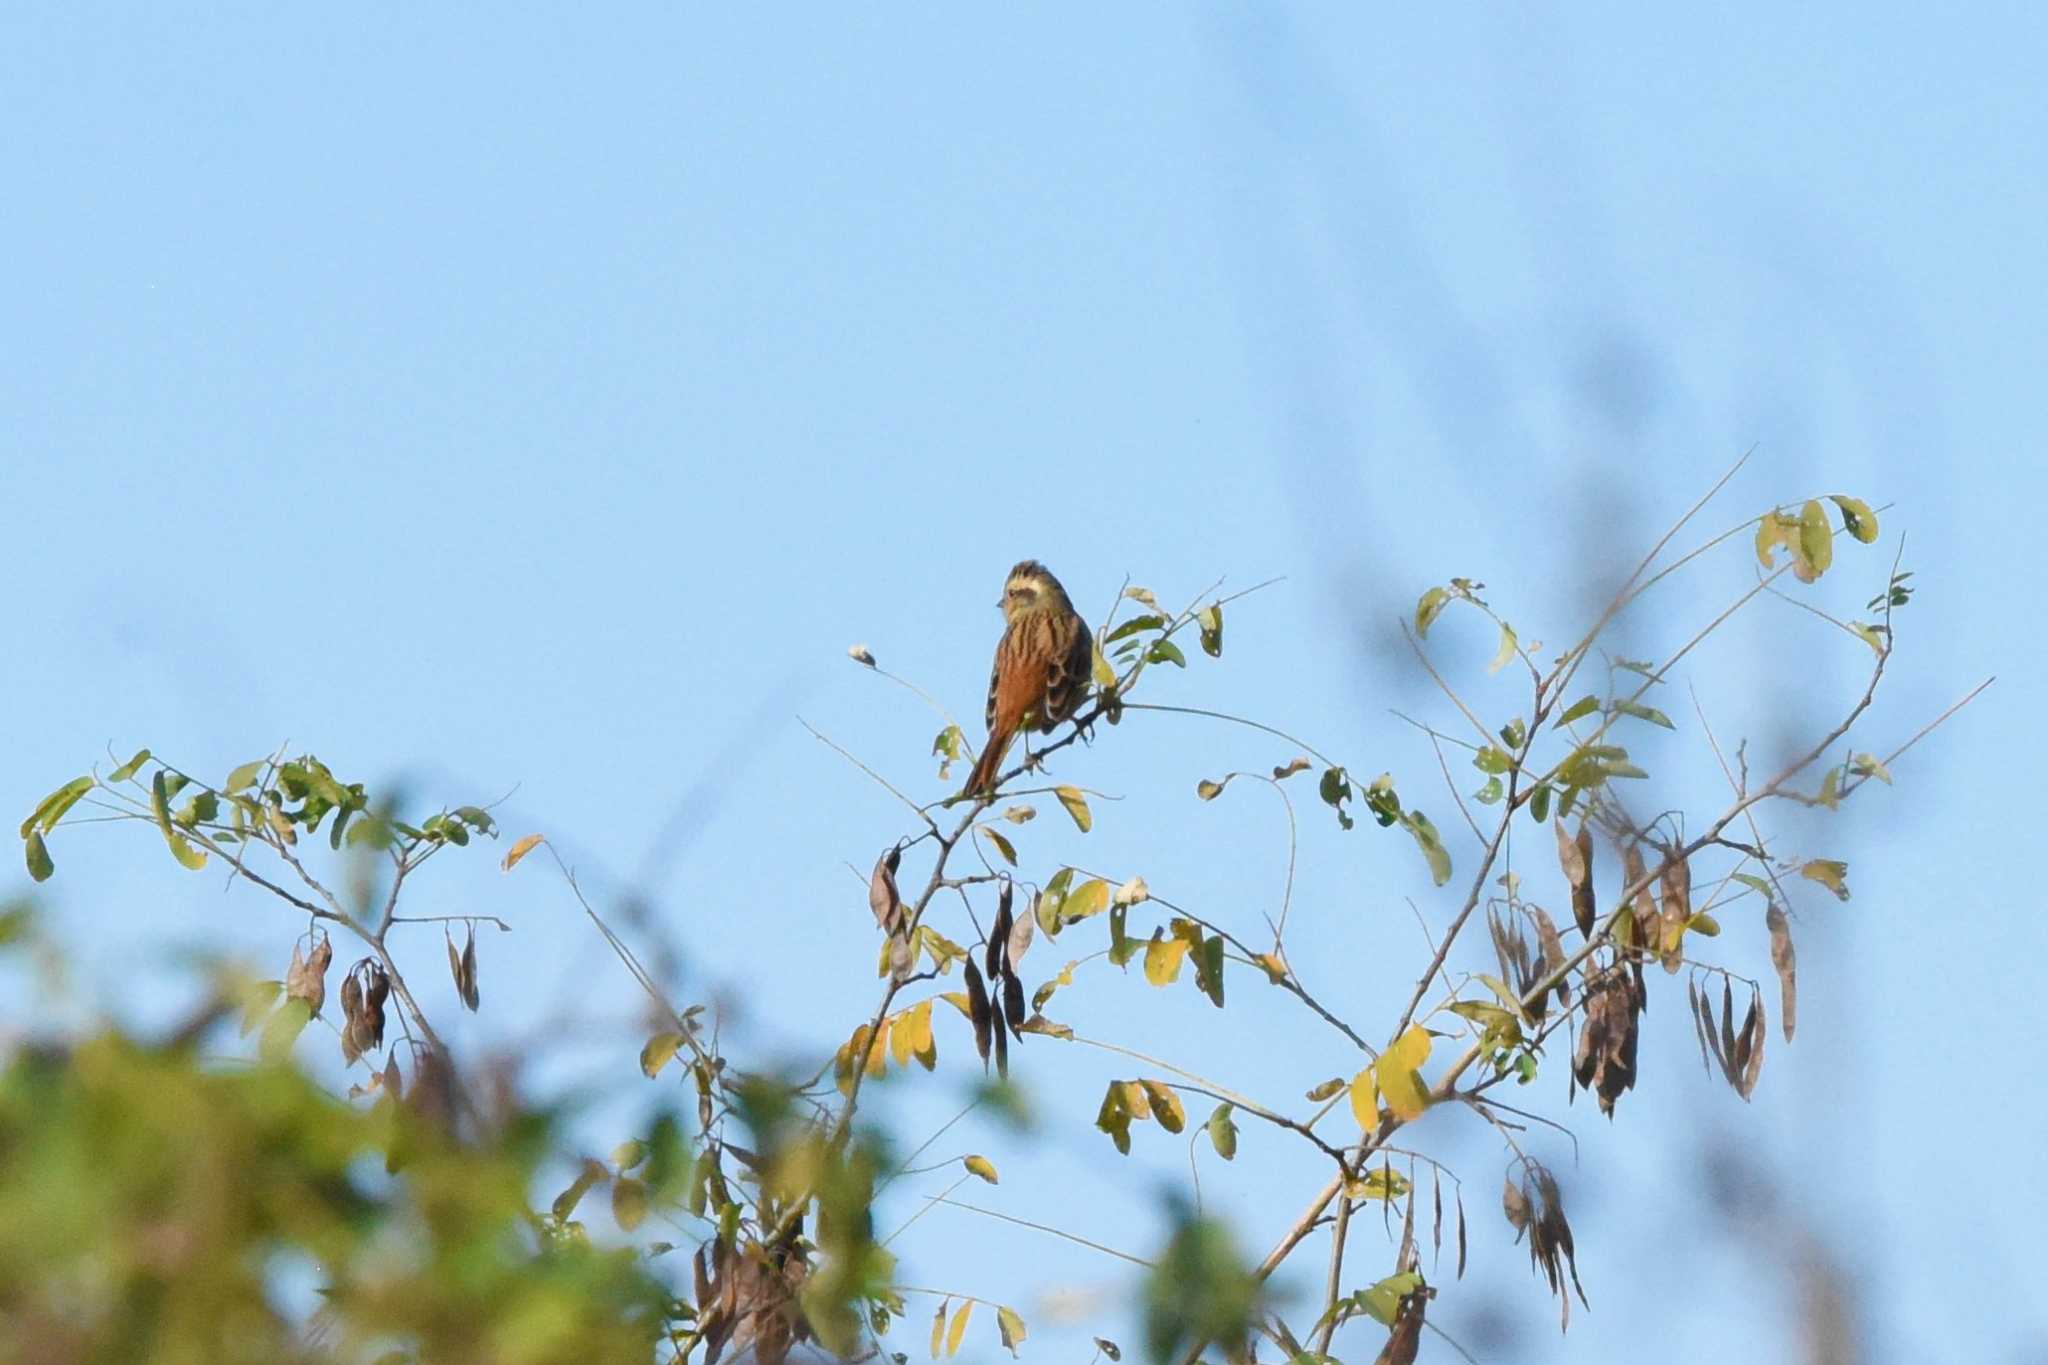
[{"x": 1043, "y": 666}]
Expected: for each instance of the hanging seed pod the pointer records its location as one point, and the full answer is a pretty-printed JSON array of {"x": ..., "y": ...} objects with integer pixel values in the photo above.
[
  {"x": 979, "y": 1011},
  {"x": 467, "y": 979},
  {"x": 998, "y": 935},
  {"x": 1001, "y": 1036},
  {"x": 1013, "y": 1003},
  {"x": 352, "y": 1013},
  {"x": 883, "y": 898},
  {"x": 306, "y": 978}
]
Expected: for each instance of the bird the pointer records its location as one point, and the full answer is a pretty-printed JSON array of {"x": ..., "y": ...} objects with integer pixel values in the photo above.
[{"x": 1043, "y": 666}]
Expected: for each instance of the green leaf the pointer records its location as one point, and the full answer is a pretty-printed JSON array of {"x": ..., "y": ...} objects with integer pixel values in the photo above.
[
  {"x": 1428, "y": 609},
  {"x": 629, "y": 1203},
  {"x": 1507, "y": 648},
  {"x": 1077, "y": 806},
  {"x": 1829, "y": 872},
  {"x": 1641, "y": 712},
  {"x": 1432, "y": 847},
  {"x": 1210, "y": 619},
  {"x": 1491, "y": 760},
  {"x": 1579, "y": 710},
  {"x": 130, "y": 768},
  {"x": 1757, "y": 884},
  {"x": 246, "y": 775},
  {"x": 1166, "y": 652},
  {"x": 1209, "y": 970},
  {"x": 1513, "y": 733},
  {"x": 1222, "y": 1132},
  {"x": 1383, "y": 1300},
  {"x": 51, "y": 808},
  {"x": 1816, "y": 543},
  {"x": 1003, "y": 845},
  {"x": 39, "y": 865},
  {"x": 1705, "y": 925},
  {"x": 159, "y": 798},
  {"x": 1133, "y": 626},
  {"x": 1539, "y": 804},
  {"x": 1051, "y": 899},
  {"x": 1857, "y": 518}
]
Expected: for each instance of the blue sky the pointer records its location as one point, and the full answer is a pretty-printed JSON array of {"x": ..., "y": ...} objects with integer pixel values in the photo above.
[{"x": 534, "y": 400}]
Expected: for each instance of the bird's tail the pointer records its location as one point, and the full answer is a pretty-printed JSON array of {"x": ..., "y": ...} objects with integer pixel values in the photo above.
[{"x": 982, "y": 781}]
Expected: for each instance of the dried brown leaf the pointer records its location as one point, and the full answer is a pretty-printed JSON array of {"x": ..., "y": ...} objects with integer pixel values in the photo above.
[
  {"x": 1515, "y": 1204},
  {"x": 1020, "y": 937},
  {"x": 1786, "y": 962},
  {"x": 1406, "y": 1338},
  {"x": 883, "y": 898},
  {"x": 1552, "y": 956}
]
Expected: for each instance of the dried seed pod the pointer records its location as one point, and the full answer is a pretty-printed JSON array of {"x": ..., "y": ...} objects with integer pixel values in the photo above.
[
  {"x": 883, "y": 898},
  {"x": 1754, "y": 1029},
  {"x": 1020, "y": 936},
  {"x": 306, "y": 978},
  {"x": 901, "y": 958},
  {"x": 1635, "y": 873},
  {"x": 1000, "y": 1035},
  {"x": 998, "y": 935},
  {"x": 1676, "y": 885},
  {"x": 1406, "y": 1340},
  {"x": 1013, "y": 1002},
  {"x": 1575, "y": 857},
  {"x": 1786, "y": 963},
  {"x": 1552, "y": 955},
  {"x": 978, "y": 1010},
  {"x": 467, "y": 978},
  {"x": 351, "y": 1013}
]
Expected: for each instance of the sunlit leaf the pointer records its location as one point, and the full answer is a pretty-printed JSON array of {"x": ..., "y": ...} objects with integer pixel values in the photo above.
[
  {"x": 1003, "y": 845},
  {"x": 1506, "y": 650},
  {"x": 1857, "y": 518},
  {"x": 658, "y": 1052},
  {"x": 1163, "y": 958},
  {"x": 1011, "y": 1326},
  {"x": 958, "y": 1331},
  {"x": 1222, "y": 1132},
  {"x": 1579, "y": 710},
  {"x": 525, "y": 845},
  {"x": 51, "y": 808},
  {"x": 1208, "y": 790},
  {"x": 1166, "y": 1106},
  {"x": 1428, "y": 609},
  {"x": 130, "y": 768},
  {"x": 1397, "y": 1073},
  {"x": 1625, "y": 707},
  {"x": 1829, "y": 872},
  {"x": 1365, "y": 1105},
  {"x": 981, "y": 1166},
  {"x": 1210, "y": 620},
  {"x": 39, "y": 865},
  {"x": 1816, "y": 543},
  {"x": 1383, "y": 1300},
  {"x": 1077, "y": 806}
]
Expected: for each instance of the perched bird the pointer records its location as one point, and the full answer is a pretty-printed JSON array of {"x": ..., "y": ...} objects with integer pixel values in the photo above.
[{"x": 1043, "y": 666}]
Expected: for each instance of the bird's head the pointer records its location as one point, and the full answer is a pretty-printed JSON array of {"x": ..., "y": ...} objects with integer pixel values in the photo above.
[{"x": 1030, "y": 589}]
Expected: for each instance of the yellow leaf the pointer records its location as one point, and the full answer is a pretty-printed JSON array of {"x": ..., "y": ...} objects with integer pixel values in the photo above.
[
  {"x": 1011, "y": 1326},
  {"x": 1166, "y": 1106},
  {"x": 1003, "y": 846},
  {"x": 939, "y": 1328},
  {"x": 981, "y": 1166},
  {"x": 629, "y": 1203},
  {"x": 1273, "y": 967},
  {"x": 1380, "y": 1183},
  {"x": 1135, "y": 890},
  {"x": 1365, "y": 1105},
  {"x": 902, "y": 1039},
  {"x": 1816, "y": 543},
  {"x": 958, "y": 1331},
  {"x": 1506, "y": 651},
  {"x": 878, "y": 1055},
  {"x": 1163, "y": 957},
  {"x": 1089, "y": 898},
  {"x": 1137, "y": 1099},
  {"x": 1103, "y": 675},
  {"x": 520, "y": 850},
  {"x": 1077, "y": 806},
  {"x": 1208, "y": 790},
  {"x": 958, "y": 1000},
  {"x": 1397, "y": 1073},
  {"x": 1857, "y": 518},
  {"x": 1829, "y": 872},
  {"x": 658, "y": 1052},
  {"x": 918, "y": 1024},
  {"x": 1325, "y": 1089}
]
